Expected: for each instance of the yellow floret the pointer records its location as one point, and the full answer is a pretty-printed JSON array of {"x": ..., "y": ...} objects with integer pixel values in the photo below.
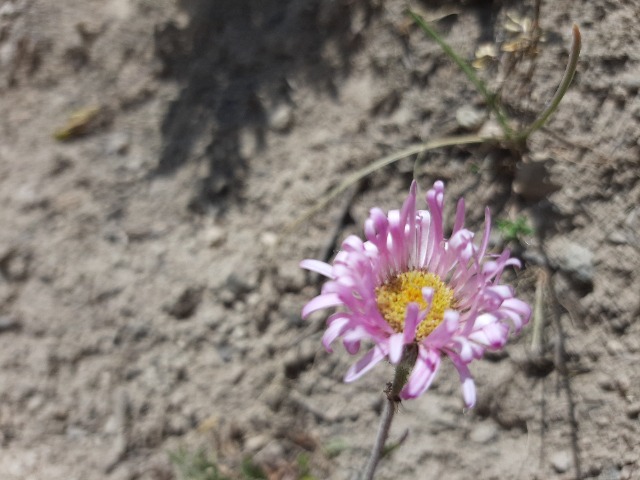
[{"x": 394, "y": 296}]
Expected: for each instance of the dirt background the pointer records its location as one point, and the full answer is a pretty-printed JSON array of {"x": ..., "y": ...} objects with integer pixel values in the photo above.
[{"x": 150, "y": 295}]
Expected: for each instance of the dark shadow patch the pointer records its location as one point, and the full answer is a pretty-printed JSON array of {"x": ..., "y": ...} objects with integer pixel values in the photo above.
[{"x": 233, "y": 62}]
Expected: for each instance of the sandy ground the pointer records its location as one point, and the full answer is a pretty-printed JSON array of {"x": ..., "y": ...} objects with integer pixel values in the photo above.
[{"x": 150, "y": 293}]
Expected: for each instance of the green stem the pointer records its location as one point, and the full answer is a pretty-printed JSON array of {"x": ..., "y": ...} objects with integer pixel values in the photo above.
[
  {"x": 490, "y": 97},
  {"x": 562, "y": 88}
]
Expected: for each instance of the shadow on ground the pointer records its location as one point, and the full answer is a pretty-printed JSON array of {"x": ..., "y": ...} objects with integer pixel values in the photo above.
[{"x": 234, "y": 62}]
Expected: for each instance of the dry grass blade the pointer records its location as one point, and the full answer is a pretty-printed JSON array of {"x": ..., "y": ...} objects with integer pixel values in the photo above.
[{"x": 378, "y": 164}]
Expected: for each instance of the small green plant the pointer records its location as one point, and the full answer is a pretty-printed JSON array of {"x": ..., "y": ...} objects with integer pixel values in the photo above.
[
  {"x": 514, "y": 230},
  {"x": 251, "y": 471},
  {"x": 195, "y": 466},
  {"x": 304, "y": 470},
  {"x": 335, "y": 447},
  {"x": 200, "y": 466},
  {"x": 513, "y": 136}
]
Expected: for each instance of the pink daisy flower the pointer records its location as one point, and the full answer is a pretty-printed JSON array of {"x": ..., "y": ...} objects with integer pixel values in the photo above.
[{"x": 409, "y": 285}]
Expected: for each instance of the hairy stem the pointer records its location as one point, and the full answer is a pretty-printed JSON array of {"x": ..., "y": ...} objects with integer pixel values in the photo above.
[
  {"x": 392, "y": 400},
  {"x": 381, "y": 438}
]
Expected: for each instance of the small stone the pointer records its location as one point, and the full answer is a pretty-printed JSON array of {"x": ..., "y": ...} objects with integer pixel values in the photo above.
[
  {"x": 274, "y": 395},
  {"x": 9, "y": 324},
  {"x": 631, "y": 458},
  {"x": 615, "y": 347},
  {"x": 561, "y": 461},
  {"x": 610, "y": 473},
  {"x": 225, "y": 352},
  {"x": 28, "y": 197},
  {"x": 35, "y": 403},
  {"x": 268, "y": 239},
  {"x": 281, "y": 118},
  {"x": 253, "y": 444},
  {"x": 606, "y": 383},
  {"x": 470, "y": 118},
  {"x": 11, "y": 9},
  {"x": 240, "y": 282},
  {"x": 633, "y": 410},
  {"x": 14, "y": 264},
  {"x": 117, "y": 143},
  {"x": 491, "y": 129},
  {"x": 214, "y": 236},
  {"x": 271, "y": 455},
  {"x": 618, "y": 237},
  {"x": 121, "y": 9},
  {"x": 186, "y": 303},
  {"x": 573, "y": 258},
  {"x": 484, "y": 433}
]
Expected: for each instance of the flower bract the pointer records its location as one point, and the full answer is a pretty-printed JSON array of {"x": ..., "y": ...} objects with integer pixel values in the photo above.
[{"x": 408, "y": 286}]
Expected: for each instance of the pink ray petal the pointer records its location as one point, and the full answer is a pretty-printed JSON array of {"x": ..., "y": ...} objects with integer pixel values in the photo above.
[
  {"x": 366, "y": 363},
  {"x": 320, "y": 302},
  {"x": 317, "y": 266},
  {"x": 396, "y": 347},
  {"x": 422, "y": 375},
  {"x": 466, "y": 381},
  {"x": 411, "y": 322},
  {"x": 333, "y": 331}
]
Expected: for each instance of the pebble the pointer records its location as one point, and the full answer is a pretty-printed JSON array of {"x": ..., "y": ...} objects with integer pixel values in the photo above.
[
  {"x": 121, "y": 9},
  {"x": 11, "y": 9},
  {"x": 470, "y": 118},
  {"x": 274, "y": 395},
  {"x": 253, "y": 444},
  {"x": 269, "y": 239},
  {"x": 271, "y": 454},
  {"x": 484, "y": 433},
  {"x": 491, "y": 129},
  {"x": 573, "y": 258},
  {"x": 561, "y": 461},
  {"x": 281, "y": 118},
  {"x": 633, "y": 410},
  {"x": 215, "y": 236},
  {"x": 242, "y": 280},
  {"x": 610, "y": 473},
  {"x": 615, "y": 347},
  {"x": 618, "y": 237},
  {"x": 30, "y": 197},
  {"x": 117, "y": 143},
  {"x": 8, "y": 324},
  {"x": 186, "y": 304}
]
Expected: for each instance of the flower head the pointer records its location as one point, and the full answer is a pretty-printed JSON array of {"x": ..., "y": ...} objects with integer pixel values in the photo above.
[{"x": 409, "y": 285}]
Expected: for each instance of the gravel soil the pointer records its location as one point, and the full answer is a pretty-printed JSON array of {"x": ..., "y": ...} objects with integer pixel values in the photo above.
[{"x": 153, "y": 156}]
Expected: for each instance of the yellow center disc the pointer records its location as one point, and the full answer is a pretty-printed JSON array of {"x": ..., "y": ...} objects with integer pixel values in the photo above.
[{"x": 394, "y": 296}]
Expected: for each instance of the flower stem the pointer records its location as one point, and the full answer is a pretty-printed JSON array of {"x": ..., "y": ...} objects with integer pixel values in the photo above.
[
  {"x": 392, "y": 394},
  {"x": 381, "y": 438}
]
